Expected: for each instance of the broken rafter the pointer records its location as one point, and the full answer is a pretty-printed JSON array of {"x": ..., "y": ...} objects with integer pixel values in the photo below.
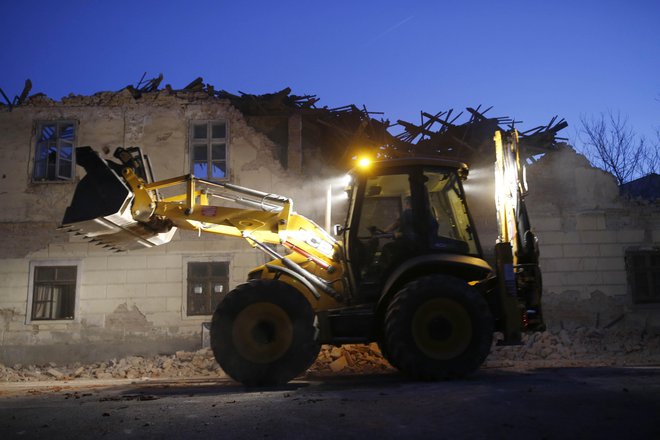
[
  {"x": 344, "y": 128},
  {"x": 543, "y": 138},
  {"x": 19, "y": 99},
  {"x": 143, "y": 86}
]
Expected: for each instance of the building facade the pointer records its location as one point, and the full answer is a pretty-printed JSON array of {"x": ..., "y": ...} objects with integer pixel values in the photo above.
[{"x": 63, "y": 298}]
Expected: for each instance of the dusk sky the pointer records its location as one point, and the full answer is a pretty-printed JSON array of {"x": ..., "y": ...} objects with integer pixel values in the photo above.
[{"x": 529, "y": 60}]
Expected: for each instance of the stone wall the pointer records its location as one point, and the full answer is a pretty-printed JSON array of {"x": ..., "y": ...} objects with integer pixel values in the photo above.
[{"x": 585, "y": 229}]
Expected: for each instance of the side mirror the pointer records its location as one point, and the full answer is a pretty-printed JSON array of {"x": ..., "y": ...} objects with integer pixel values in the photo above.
[{"x": 338, "y": 229}]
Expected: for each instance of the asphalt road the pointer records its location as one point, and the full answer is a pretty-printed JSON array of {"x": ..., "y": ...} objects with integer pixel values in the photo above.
[{"x": 562, "y": 403}]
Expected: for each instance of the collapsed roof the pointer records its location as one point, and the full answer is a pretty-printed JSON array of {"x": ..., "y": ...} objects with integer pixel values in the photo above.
[{"x": 339, "y": 133}]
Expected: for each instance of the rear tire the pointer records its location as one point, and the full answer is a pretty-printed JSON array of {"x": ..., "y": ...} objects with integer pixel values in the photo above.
[
  {"x": 437, "y": 327},
  {"x": 263, "y": 333}
]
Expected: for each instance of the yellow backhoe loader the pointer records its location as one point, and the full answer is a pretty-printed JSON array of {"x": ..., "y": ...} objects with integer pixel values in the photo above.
[{"x": 408, "y": 272}]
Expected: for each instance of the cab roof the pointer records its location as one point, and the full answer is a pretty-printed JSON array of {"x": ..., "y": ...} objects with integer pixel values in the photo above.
[{"x": 417, "y": 161}]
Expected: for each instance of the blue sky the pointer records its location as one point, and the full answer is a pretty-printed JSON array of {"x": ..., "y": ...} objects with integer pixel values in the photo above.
[{"x": 530, "y": 60}]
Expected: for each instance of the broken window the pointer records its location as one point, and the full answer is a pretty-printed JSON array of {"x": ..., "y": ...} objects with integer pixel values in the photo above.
[
  {"x": 53, "y": 159},
  {"x": 643, "y": 267},
  {"x": 208, "y": 149},
  {"x": 53, "y": 292},
  {"x": 208, "y": 282}
]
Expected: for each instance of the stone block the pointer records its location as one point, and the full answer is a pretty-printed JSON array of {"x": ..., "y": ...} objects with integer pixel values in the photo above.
[
  {"x": 553, "y": 265},
  {"x": 146, "y": 276},
  {"x": 612, "y": 277},
  {"x": 95, "y": 263},
  {"x": 174, "y": 275},
  {"x": 552, "y": 281},
  {"x": 174, "y": 304},
  {"x": 613, "y": 289},
  {"x": 11, "y": 265},
  {"x": 127, "y": 290},
  {"x": 166, "y": 319},
  {"x": 581, "y": 250},
  {"x": 590, "y": 221},
  {"x": 558, "y": 237},
  {"x": 542, "y": 224},
  {"x": 187, "y": 246},
  {"x": 655, "y": 236},
  {"x": 245, "y": 259},
  {"x": 610, "y": 250},
  {"x": 97, "y": 306},
  {"x": 127, "y": 262},
  {"x": 597, "y": 237},
  {"x": 581, "y": 278},
  {"x": 167, "y": 261},
  {"x": 60, "y": 250},
  {"x": 149, "y": 306},
  {"x": 97, "y": 291},
  {"x": 92, "y": 277},
  {"x": 14, "y": 280},
  {"x": 633, "y": 236},
  {"x": 164, "y": 290},
  {"x": 552, "y": 251},
  {"x": 582, "y": 264},
  {"x": 610, "y": 264}
]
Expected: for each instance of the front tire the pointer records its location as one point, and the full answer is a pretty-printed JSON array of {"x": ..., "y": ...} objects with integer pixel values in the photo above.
[
  {"x": 263, "y": 333},
  {"x": 437, "y": 327}
]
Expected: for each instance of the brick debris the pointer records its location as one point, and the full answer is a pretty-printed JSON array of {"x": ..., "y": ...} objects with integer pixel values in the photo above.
[{"x": 558, "y": 348}]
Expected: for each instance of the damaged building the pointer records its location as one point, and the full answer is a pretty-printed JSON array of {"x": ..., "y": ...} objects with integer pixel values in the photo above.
[{"x": 63, "y": 298}]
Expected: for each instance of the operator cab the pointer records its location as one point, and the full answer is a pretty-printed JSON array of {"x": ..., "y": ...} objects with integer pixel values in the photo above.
[{"x": 401, "y": 209}]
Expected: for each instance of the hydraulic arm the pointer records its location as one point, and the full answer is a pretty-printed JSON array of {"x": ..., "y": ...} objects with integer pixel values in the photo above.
[{"x": 134, "y": 213}]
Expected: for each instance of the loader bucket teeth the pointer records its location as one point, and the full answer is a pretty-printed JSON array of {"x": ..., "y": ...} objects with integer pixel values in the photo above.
[{"x": 100, "y": 208}]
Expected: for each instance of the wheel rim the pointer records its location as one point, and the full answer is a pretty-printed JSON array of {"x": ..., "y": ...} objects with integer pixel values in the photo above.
[
  {"x": 262, "y": 332},
  {"x": 442, "y": 328}
]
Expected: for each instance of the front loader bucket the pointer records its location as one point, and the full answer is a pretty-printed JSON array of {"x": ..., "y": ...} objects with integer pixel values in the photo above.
[{"x": 100, "y": 209}]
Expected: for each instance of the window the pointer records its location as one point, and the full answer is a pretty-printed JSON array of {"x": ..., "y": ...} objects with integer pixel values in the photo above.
[
  {"x": 208, "y": 282},
  {"x": 53, "y": 159},
  {"x": 208, "y": 149},
  {"x": 643, "y": 268},
  {"x": 53, "y": 292}
]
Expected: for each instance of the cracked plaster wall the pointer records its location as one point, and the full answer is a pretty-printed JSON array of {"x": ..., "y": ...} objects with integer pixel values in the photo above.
[{"x": 131, "y": 303}]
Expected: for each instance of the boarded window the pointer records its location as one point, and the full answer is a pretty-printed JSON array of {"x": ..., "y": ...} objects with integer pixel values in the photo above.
[
  {"x": 54, "y": 152},
  {"x": 643, "y": 268},
  {"x": 208, "y": 149},
  {"x": 208, "y": 282},
  {"x": 54, "y": 292}
]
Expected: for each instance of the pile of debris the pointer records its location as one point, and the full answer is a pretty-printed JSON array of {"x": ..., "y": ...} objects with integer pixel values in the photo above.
[
  {"x": 579, "y": 347},
  {"x": 338, "y": 133}
]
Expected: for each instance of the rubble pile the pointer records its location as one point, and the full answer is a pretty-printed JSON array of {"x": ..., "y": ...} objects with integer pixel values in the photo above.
[
  {"x": 181, "y": 364},
  {"x": 350, "y": 359},
  {"x": 582, "y": 346}
]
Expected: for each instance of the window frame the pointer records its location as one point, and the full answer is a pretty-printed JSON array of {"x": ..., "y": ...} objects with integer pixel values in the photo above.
[
  {"x": 187, "y": 287},
  {"x": 643, "y": 298},
  {"x": 29, "y": 319},
  {"x": 59, "y": 142},
  {"x": 210, "y": 141}
]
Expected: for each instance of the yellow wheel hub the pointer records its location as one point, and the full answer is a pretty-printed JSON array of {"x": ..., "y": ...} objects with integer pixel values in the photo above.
[
  {"x": 262, "y": 332},
  {"x": 442, "y": 328}
]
